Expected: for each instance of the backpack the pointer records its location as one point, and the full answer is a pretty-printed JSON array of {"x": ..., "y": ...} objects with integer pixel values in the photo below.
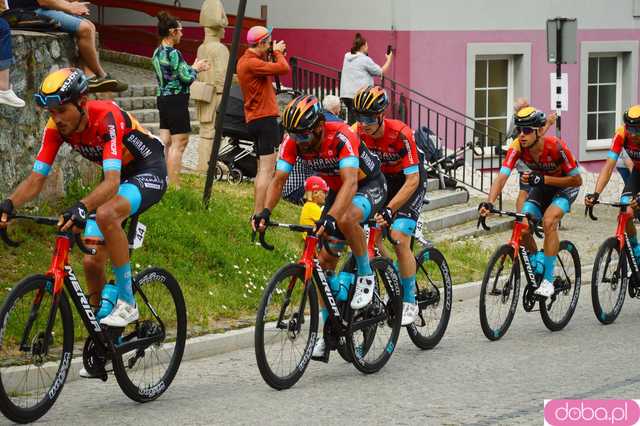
[{"x": 28, "y": 20}]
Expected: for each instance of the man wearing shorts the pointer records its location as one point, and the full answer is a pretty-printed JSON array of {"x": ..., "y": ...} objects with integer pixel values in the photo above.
[
  {"x": 554, "y": 180},
  {"x": 260, "y": 107},
  {"x": 135, "y": 178},
  {"x": 70, "y": 15}
]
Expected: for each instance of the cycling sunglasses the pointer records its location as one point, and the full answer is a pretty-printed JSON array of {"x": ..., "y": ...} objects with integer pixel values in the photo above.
[
  {"x": 366, "y": 119},
  {"x": 302, "y": 137},
  {"x": 48, "y": 101},
  {"x": 525, "y": 130}
]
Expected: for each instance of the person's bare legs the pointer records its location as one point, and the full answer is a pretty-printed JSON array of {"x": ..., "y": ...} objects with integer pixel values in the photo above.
[
  {"x": 165, "y": 137},
  {"x": 4, "y": 79},
  {"x": 266, "y": 170},
  {"x": 86, "y": 39},
  {"x": 174, "y": 159}
]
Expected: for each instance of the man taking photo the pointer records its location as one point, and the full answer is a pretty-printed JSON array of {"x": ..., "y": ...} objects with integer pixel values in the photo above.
[{"x": 255, "y": 69}]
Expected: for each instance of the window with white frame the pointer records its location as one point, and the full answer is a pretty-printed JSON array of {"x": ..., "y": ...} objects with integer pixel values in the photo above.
[
  {"x": 604, "y": 98},
  {"x": 492, "y": 96}
]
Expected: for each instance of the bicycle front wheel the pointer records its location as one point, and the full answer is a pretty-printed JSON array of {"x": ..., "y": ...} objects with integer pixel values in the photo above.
[
  {"x": 286, "y": 327},
  {"x": 434, "y": 293},
  {"x": 146, "y": 371},
  {"x": 33, "y": 364},
  {"x": 499, "y": 293},
  {"x": 608, "y": 281},
  {"x": 557, "y": 310},
  {"x": 371, "y": 346}
]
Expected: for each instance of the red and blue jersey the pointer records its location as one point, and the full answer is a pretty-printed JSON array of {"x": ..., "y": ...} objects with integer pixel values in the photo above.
[
  {"x": 113, "y": 139},
  {"x": 396, "y": 149},
  {"x": 627, "y": 141},
  {"x": 340, "y": 148},
  {"x": 554, "y": 160}
]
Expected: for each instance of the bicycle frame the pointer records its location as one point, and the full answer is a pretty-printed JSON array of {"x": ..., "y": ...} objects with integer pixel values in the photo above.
[
  {"x": 519, "y": 250},
  {"x": 623, "y": 240}
]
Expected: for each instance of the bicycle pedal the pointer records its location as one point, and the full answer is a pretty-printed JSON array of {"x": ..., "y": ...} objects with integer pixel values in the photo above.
[{"x": 324, "y": 358}]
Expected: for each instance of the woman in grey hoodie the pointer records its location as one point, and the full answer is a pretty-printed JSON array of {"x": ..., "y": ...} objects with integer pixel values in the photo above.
[{"x": 358, "y": 70}]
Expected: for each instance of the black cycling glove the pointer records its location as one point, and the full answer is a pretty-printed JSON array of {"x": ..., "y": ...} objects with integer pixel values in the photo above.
[
  {"x": 593, "y": 197},
  {"x": 486, "y": 205},
  {"x": 263, "y": 216},
  {"x": 78, "y": 214},
  {"x": 536, "y": 179},
  {"x": 387, "y": 215},
  {"x": 6, "y": 206},
  {"x": 329, "y": 224}
]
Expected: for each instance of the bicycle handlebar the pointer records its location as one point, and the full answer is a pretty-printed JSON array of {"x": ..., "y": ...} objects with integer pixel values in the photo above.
[
  {"x": 43, "y": 220},
  {"x": 589, "y": 209},
  {"x": 482, "y": 220}
]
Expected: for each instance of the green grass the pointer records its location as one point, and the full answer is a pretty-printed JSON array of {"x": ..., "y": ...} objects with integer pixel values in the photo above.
[{"x": 209, "y": 251}]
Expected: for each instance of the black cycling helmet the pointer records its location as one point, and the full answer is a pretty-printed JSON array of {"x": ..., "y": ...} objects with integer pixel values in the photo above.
[
  {"x": 301, "y": 114},
  {"x": 632, "y": 116},
  {"x": 530, "y": 117},
  {"x": 370, "y": 100},
  {"x": 60, "y": 87}
]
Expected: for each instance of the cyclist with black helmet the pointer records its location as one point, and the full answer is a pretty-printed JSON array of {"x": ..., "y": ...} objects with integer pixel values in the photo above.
[
  {"x": 134, "y": 172},
  {"x": 627, "y": 138},
  {"x": 554, "y": 180},
  {"x": 357, "y": 189},
  {"x": 393, "y": 142}
]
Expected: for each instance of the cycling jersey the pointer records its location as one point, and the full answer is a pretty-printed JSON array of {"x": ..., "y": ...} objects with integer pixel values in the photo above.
[
  {"x": 627, "y": 141},
  {"x": 396, "y": 149},
  {"x": 113, "y": 139},
  {"x": 339, "y": 149},
  {"x": 555, "y": 158}
]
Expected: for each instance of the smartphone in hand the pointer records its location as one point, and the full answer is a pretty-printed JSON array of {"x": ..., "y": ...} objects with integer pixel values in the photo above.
[{"x": 389, "y": 48}]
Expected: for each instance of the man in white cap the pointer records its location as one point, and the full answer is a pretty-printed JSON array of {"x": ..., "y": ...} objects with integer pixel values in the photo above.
[{"x": 255, "y": 69}]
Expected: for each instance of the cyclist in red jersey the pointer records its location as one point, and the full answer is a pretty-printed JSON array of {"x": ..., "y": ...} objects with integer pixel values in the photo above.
[
  {"x": 134, "y": 171},
  {"x": 401, "y": 163},
  {"x": 554, "y": 180},
  {"x": 357, "y": 189},
  {"x": 627, "y": 137}
]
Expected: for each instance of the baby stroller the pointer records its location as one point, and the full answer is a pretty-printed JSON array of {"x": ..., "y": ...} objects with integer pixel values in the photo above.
[{"x": 438, "y": 165}]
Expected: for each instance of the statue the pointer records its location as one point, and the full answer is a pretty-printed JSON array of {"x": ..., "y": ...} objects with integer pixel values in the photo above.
[{"x": 214, "y": 20}]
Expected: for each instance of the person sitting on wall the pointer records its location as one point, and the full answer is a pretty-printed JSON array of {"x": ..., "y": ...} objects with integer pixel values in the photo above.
[
  {"x": 7, "y": 96},
  {"x": 71, "y": 16}
]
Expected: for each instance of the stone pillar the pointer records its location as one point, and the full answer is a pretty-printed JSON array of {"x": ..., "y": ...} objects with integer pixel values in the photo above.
[{"x": 214, "y": 21}]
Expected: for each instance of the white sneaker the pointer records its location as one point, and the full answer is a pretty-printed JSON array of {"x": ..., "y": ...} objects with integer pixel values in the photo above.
[
  {"x": 8, "y": 97},
  {"x": 546, "y": 289},
  {"x": 122, "y": 315},
  {"x": 319, "y": 348},
  {"x": 86, "y": 375},
  {"x": 409, "y": 313},
  {"x": 364, "y": 291}
]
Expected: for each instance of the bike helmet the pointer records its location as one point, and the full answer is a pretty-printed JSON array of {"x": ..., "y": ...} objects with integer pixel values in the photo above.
[
  {"x": 60, "y": 87},
  {"x": 257, "y": 34},
  {"x": 530, "y": 117},
  {"x": 632, "y": 116},
  {"x": 315, "y": 183},
  {"x": 301, "y": 114},
  {"x": 370, "y": 100}
]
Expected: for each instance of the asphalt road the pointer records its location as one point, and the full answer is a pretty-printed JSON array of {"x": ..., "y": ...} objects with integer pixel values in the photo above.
[{"x": 465, "y": 380}]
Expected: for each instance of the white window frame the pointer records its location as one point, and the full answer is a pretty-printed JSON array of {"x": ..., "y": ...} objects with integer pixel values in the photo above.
[{"x": 605, "y": 143}]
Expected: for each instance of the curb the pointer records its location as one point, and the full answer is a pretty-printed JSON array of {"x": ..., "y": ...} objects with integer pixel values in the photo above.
[{"x": 216, "y": 344}]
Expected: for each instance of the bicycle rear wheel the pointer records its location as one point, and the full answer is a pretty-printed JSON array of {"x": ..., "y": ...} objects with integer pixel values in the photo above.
[
  {"x": 286, "y": 327},
  {"x": 371, "y": 347},
  {"x": 608, "y": 281},
  {"x": 31, "y": 378},
  {"x": 145, "y": 372},
  {"x": 499, "y": 293},
  {"x": 557, "y": 310},
  {"x": 434, "y": 293}
]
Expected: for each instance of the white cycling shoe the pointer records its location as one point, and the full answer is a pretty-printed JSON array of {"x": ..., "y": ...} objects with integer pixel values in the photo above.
[
  {"x": 546, "y": 289},
  {"x": 364, "y": 291},
  {"x": 409, "y": 313},
  {"x": 122, "y": 315},
  {"x": 86, "y": 375},
  {"x": 319, "y": 348}
]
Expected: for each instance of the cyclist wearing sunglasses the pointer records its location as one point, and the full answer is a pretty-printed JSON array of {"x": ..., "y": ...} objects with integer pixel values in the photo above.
[
  {"x": 626, "y": 138},
  {"x": 393, "y": 142},
  {"x": 357, "y": 189},
  {"x": 134, "y": 179},
  {"x": 554, "y": 180}
]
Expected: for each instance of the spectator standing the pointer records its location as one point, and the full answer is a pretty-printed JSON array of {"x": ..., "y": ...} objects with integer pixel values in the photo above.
[
  {"x": 332, "y": 106},
  {"x": 70, "y": 15},
  {"x": 174, "y": 78},
  {"x": 255, "y": 69},
  {"x": 7, "y": 96},
  {"x": 358, "y": 70}
]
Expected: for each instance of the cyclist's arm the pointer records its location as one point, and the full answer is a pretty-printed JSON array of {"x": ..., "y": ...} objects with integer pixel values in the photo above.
[
  {"x": 615, "y": 151},
  {"x": 497, "y": 186},
  {"x": 406, "y": 191},
  {"x": 569, "y": 166},
  {"x": 105, "y": 191},
  {"x": 510, "y": 160},
  {"x": 28, "y": 189},
  {"x": 564, "y": 181},
  {"x": 344, "y": 197},
  {"x": 411, "y": 165},
  {"x": 274, "y": 192}
]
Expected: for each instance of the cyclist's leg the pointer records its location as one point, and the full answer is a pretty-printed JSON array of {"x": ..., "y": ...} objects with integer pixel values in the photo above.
[
  {"x": 631, "y": 189},
  {"x": 95, "y": 272},
  {"x": 533, "y": 205},
  {"x": 559, "y": 206}
]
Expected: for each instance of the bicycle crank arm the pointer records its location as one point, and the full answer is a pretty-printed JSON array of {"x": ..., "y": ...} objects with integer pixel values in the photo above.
[
  {"x": 359, "y": 325},
  {"x": 137, "y": 343}
]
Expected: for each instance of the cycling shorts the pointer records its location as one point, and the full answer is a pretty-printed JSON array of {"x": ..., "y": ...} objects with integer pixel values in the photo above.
[
  {"x": 631, "y": 187},
  {"x": 541, "y": 197},
  {"x": 144, "y": 187}
]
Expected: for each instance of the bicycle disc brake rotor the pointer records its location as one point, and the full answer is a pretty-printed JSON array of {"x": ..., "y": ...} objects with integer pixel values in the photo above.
[
  {"x": 93, "y": 358},
  {"x": 528, "y": 298},
  {"x": 38, "y": 351}
]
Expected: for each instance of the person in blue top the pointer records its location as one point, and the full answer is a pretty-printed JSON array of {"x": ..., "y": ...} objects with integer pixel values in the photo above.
[{"x": 174, "y": 76}]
